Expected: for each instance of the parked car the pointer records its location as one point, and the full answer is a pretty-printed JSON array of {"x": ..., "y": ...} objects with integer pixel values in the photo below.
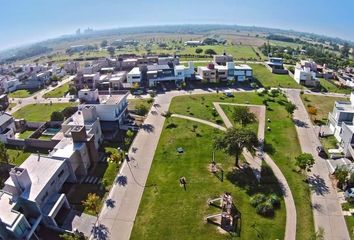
[
  {"x": 321, "y": 152},
  {"x": 349, "y": 194}
]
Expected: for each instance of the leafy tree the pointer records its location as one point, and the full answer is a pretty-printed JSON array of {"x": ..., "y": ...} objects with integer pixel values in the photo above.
[
  {"x": 345, "y": 50},
  {"x": 210, "y": 51},
  {"x": 128, "y": 137},
  {"x": 4, "y": 161},
  {"x": 242, "y": 115},
  {"x": 235, "y": 140},
  {"x": 341, "y": 173},
  {"x": 72, "y": 90},
  {"x": 198, "y": 50},
  {"x": 142, "y": 109},
  {"x": 290, "y": 108},
  {"x": 117, "y": 157},
  {"x": 111, "y": 51},
  {"x": 305, "y": 161},
  {"x": 57, "y": 116},
  {"x": 104, "y": 43},
  {"x": 92, "y": 203}
]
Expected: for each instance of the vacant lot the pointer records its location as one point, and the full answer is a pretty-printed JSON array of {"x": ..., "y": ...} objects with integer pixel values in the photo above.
[
  {"x": 323, "y": 105},
  {"x": 330, "y": 86},
  {"x": 58, "y": 92},
  {"x": 268, "y": 79},
  {"x": 23, "y": 93},
  {"x": 40, "y": 112}
]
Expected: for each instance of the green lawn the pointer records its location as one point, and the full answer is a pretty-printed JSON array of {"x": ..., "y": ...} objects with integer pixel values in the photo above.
[
  {"x": 154, "y": 204},
  {"x": 330, "y": 86},
  {"x": 168, "y": 204},
  {"x": 25, "y": 134},
  {"x": 40, "y": 112},
  {"x": 58, "y": 92},
  {"x": 329, "y": 142},
  {"x": 350, "y": 225},
  {"x": 17, "y": 156},
  {"x": 323, "y": 104},
  {"x": 268, "y": 79},
  {"x": 23, "y": 93},
  {"x": 133, "y": 103}
]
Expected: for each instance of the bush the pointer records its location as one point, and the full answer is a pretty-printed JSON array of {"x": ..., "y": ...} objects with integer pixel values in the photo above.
[
  {"x": 274, "y": 200},
  {"x": 257, "y": 199},
  {"x": 141, "y": 110},
  {"x": 265, "y": 209},
  {"x": 57, "y": 116}
]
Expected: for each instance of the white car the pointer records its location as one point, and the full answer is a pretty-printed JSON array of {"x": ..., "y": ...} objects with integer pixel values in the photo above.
[{"x": 349, "y": 194}]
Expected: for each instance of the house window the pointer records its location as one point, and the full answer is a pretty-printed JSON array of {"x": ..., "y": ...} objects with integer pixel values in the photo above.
[
  {"x": 51, "y": 184},
  {"x": 61, "y": 173}
]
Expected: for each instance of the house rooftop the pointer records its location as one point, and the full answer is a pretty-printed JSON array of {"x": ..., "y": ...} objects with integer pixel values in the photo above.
[
  {"x": 135, "y": 71},
  {"x": 41, "y": 170},
  {"x": 4, "y": 118},
  {"x": 7, "y": 215},
  {"x": 111, "y": 100},
  {"x": 344, "y": 106},
  {"x": 158, "y": 67}
]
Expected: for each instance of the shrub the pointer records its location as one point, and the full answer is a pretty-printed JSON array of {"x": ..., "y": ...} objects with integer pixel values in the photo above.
[
  {"x": 257, "y": 199},
  {"x": 265, "y": 209},
  {"x": 274, "y": 200},
  {"x": 141, "y": 110},
  {"x": 57, "y": 116}
]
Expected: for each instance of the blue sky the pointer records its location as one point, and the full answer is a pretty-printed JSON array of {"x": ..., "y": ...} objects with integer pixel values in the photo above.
[{"x": 26, "y": 21}]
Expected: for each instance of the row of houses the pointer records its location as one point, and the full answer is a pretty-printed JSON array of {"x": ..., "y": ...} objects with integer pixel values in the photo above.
[
  {"x": 30, "y": 76},
  {"x": 32, "y": 194}
]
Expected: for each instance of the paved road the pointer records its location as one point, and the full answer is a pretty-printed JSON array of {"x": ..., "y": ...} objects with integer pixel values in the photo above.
[{"x": 326, "y": 207}]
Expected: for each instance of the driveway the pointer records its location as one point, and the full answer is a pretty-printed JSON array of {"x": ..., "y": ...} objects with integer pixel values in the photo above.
[{"x": 326, "y": 207}]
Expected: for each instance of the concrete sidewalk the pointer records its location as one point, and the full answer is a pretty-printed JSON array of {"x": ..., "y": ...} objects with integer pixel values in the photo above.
[{"x": 327, "y": 210}]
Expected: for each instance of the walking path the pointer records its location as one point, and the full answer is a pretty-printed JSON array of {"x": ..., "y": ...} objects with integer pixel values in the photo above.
[
  {"x": 327, "y": 210},
  {"x": 256, "y": 162}
]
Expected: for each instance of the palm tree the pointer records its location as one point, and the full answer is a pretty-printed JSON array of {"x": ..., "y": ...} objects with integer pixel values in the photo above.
[
  {"x": 235, "y": 140},
  {"x": 92, "y": 203}
]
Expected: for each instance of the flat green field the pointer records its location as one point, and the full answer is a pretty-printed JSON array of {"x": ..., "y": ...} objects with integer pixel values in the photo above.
[
  {"x": 268, "y": 79},
  {"x": 22, "y": 93},
  {"x": 167, "y": 205},
  {"x": 350, "y": 225},
  {"x": 58, "y": 92},
  {"x": 25, "y": 134},
  {"x": 40, "y": 112}
]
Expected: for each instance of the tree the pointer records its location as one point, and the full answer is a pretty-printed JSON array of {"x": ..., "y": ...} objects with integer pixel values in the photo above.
[
  {"x": 341, "y": 173},
  {"x": 305, "y": 161},
  {"x": 198, "y": 50},
  {"x": 312, "y": 111},
  {"x": 92, "y": 203},
  {"x": 345, "y": 50},
  {"x": 290, "y": 108},
  {"x": 210, "y": 51},
  {"x": 104, "y": 43},
  {"x": 116, "y": 157},
  {"x": 72, "y": 90},
  {"x": 4, "y": 157},
  {"x": 57, "y": 116},
  {"x": 142, "y": 109},
  {"x": 242, "y": 115},
  {"x": 235, "y": 140},
  {"x": 111, "y": 51},
  {"x": 128, "y": 137}
]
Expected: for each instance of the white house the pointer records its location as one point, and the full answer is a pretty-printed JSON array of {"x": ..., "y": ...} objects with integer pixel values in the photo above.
[
  {"x": 306, "y": 77},
  {"x": 134, "y": 76}
]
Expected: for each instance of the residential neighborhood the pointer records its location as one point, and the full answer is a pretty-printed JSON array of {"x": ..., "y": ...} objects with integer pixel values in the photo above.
[{"x": 176, "y": 131}]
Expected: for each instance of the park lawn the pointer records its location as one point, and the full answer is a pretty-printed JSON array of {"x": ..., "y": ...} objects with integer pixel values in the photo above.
[
  {"x": 323, "y": 104},
  {"x": 168, "y": 212},
  {"x": 23, "y": 93},
  {"x": 350, "y": 225},
  {"x": 58, "y": 92},
  {"x": 277, "y": 144},
  {"x": 268, "y": 79},
  {"x": 40, "y": 112},
  {"x": 330, "y": 86},
  {"x": 25, "y": 134}
]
